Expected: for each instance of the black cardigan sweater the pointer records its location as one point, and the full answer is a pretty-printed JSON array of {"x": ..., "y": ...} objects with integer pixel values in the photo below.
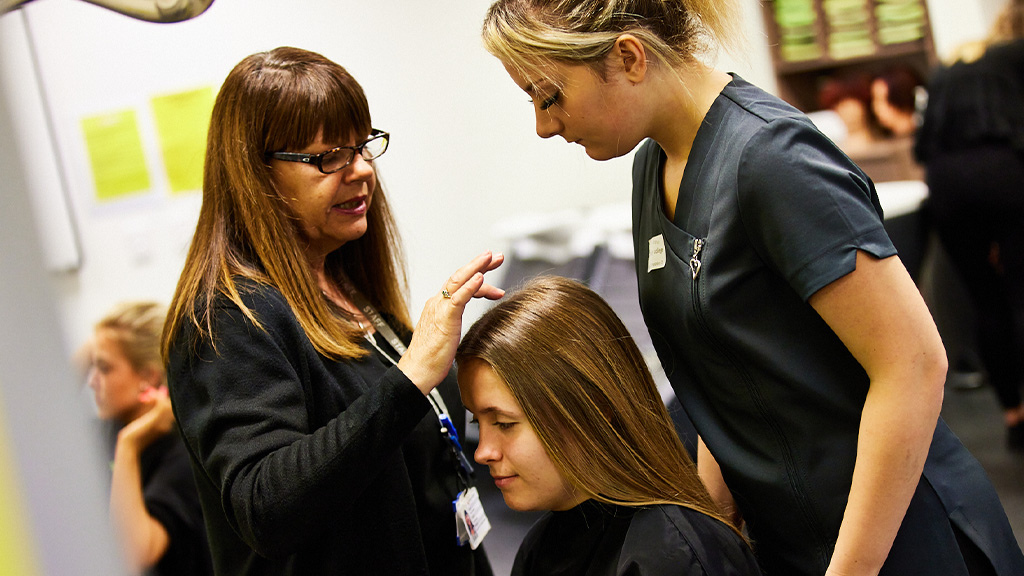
[{"x": 299, "y": 459}]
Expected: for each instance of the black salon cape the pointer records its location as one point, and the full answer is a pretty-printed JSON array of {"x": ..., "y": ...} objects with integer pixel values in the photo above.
[
  {"x": 311, "y": 466},
  {"x": 596, "y": 539},
  {"x": 772, "y": 211}
]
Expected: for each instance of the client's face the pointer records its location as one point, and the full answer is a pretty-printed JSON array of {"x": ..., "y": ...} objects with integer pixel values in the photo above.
[{"x": 509, "y": 446}]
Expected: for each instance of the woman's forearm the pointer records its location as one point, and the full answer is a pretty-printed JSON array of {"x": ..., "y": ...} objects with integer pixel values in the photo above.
[
  {"x": 878, "y": 313},
  {"x": 896, "y": 430},
  {"x": 711, "y": 474},
  {"x": 143, "y": 540}
]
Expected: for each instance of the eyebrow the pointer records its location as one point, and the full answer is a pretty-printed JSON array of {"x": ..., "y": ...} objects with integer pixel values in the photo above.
[
  {"x": 533, "y": 89},
  {"x": 495, "y": 410}
]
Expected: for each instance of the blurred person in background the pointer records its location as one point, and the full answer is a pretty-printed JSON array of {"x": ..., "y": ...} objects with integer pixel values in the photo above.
[
  {"x": 154, "y": 504},
  {"x": 971, "y": 142}
]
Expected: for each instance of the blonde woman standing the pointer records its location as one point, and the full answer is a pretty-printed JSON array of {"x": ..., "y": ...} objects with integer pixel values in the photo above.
[{"x": 791, "y": 332}]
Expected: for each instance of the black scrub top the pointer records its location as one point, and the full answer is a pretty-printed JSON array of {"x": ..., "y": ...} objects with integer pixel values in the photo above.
[
  {"x": 769, "y": 212},
  {"x": 596, "y": 539}
]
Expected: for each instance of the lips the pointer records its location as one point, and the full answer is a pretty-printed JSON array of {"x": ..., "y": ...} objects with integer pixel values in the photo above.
[
  {"x": 356, "y": 205},
  {"x": 503, "y": 481}
]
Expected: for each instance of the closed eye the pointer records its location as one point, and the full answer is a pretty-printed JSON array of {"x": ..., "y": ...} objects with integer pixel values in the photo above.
[
  {"x": 505, "y": 425},
  {"x": 550, "y": 100}
]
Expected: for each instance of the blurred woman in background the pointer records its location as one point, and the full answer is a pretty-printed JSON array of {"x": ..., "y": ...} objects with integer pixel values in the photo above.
[
  {"x": 153, "y": 500},
  {"x": 972, "y": 144}
]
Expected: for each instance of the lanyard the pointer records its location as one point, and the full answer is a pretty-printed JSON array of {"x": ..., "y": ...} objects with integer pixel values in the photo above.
[{"x": 448, "y": 431}]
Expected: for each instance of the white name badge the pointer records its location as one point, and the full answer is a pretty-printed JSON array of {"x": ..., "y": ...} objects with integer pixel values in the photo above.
[
  {"x": 656, "y": 253},
  {"x": 471, "y": 523}
]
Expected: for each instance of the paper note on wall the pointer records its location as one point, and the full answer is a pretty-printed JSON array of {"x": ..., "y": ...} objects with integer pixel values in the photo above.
[
  {"x": 182, "y": 120},
  {"x": 17, "y": 554},
  {"x": 116, "y": 155}
]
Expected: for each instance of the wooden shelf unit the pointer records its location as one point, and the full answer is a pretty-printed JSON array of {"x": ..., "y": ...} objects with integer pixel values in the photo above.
[{"x": 799, "y": 80}]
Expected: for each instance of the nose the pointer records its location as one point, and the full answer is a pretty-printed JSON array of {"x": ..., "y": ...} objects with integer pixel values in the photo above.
[
  {"x": 359, "y": 169},
  {"x": 93, "y": 379},
  {"x": 547, "y": 125},
  {"x": 487, "y": 450}
]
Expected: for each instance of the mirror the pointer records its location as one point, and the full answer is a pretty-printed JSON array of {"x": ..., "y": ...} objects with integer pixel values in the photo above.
[{"x": 149, "y": 10}]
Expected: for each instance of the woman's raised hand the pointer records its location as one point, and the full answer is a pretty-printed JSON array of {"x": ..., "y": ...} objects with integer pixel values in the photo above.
[
  {"x": 432, "y": 350},
  {"x": 153, "y": 424}
]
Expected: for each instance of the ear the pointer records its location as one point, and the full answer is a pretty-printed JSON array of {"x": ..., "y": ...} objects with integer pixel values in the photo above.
[
  {"x": 631, "y": 55},
  {"x": 150, "y": 379}
]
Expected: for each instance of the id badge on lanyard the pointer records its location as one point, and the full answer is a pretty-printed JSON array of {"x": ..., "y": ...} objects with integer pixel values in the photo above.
[{"x": 471, "y": 523}]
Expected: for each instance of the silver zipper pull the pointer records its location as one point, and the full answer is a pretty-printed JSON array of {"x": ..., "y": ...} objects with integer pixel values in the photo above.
[{"x": 698, "y": 244}]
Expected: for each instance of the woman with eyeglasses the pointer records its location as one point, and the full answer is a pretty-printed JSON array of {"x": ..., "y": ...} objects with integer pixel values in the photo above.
[
  {"x": 791, "y": 332},
  {"x": 321, "y": 428}
]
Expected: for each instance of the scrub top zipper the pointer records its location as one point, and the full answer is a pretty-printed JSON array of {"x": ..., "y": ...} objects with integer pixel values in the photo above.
[{"x": 698, "y": 245}]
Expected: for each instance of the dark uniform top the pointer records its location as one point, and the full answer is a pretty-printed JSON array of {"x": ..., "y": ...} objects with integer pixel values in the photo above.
[
  {"x": 596, "y": 539},
  {"x": 769, "y": 212},
  {"x": 975, "y": 104},
  {"x": 310, "y": 466}
]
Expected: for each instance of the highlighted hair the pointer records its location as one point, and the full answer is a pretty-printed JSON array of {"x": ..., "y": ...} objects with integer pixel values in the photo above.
[
  {"x": 587, "y": 392},
  {"x": 528, "y": 34}
]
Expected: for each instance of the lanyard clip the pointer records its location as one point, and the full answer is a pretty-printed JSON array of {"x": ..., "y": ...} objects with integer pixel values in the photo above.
[{"x": 448, "y": 429}]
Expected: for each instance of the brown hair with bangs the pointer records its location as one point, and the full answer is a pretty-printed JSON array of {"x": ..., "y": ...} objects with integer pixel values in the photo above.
[
  {"x": 273, "y": 101},
  {"x": 587, "y": 392}
]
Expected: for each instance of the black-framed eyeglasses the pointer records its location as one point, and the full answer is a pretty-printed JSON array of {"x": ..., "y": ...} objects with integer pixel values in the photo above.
[{"x": 338, "y": 158}]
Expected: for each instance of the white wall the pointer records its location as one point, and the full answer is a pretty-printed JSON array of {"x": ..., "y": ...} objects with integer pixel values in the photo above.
[{"x": 464, "y": 153}]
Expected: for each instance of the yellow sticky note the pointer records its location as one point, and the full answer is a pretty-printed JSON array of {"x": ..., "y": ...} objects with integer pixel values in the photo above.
[
  {"x": 115, "y": 154},
  {"x": 182, "y": 120},
  {"x": 17, "y": 554}
]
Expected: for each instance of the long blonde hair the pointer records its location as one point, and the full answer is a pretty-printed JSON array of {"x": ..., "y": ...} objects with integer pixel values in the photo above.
[
  {"x": 584, "y": 387},
  {"x": 273, "y": 101},
  {"x": 528, "y": 34}
]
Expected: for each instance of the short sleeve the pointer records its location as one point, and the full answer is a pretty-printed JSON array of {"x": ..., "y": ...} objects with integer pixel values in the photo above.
[{"x": 807, "y": 207}]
